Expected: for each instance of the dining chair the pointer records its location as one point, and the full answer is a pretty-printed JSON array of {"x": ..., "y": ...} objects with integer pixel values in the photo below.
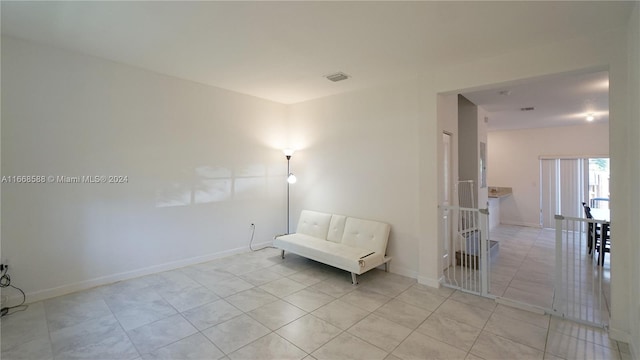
[
  {"x": 598, "y": 237},
  {"x": 591, "y": 233},
  {"x": 603, "y": 243}
]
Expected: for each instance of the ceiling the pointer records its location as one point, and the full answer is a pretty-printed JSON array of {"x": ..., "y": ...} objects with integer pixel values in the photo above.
[
  {"x": 281, "y": 51},
  {"x": 556, "y": 101}
]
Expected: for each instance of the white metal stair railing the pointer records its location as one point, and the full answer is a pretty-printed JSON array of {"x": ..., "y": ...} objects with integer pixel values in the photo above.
[
  {"x": 469, "y": 269},
  {"x": 581, "y": 284}
]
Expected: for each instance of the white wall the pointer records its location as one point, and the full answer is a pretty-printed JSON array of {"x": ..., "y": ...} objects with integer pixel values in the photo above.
[
  {"x": 358, "y": 155},
  {"x": 633, "y": 267},
  {"x": 202, "y": 164},
  {"x": 514, "y": 161}
]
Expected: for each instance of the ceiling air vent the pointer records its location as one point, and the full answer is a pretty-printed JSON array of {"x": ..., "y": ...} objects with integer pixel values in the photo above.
[
  {"x": 339, "y": 76},
  {"x": 530, "y": 108}
]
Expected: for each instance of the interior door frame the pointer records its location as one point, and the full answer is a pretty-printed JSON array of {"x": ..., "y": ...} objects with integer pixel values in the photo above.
[{"x": 447, "y": 173}]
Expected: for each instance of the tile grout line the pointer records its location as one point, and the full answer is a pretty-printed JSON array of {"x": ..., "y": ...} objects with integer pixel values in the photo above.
[
  {"x": 423, "y": 321},
  {"x": 389, "y": 299}
]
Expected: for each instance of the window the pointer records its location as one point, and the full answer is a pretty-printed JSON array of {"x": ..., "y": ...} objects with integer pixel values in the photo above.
[{"x": 566, "y": 183}]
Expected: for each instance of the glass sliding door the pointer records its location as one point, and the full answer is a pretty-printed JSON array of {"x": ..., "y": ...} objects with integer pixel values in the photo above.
[
  {"x": 564, "y": 185},
  {"x": 599, "y": 183}
]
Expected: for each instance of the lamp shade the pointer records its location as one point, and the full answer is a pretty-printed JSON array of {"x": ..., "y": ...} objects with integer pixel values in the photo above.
[
  {"x": 288, "y": 152},
  {"x": 291, "y": 179}
]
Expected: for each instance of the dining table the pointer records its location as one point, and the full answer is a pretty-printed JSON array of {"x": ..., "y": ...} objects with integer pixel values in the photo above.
[{"x": 601, "y": 214}]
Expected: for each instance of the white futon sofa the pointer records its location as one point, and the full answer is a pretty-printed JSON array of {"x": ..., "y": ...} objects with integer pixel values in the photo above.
[{"x": 348, "y": 243}]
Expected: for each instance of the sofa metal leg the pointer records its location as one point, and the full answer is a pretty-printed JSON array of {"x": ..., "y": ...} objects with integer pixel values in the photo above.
[
  {"x": 282, "y": 254},
  {"x": 386, "y": 267},
  {"x": 354, "y": 279}
]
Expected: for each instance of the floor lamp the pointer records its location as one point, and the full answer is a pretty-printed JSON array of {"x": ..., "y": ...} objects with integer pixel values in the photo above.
[{"x": 291, "y": 179}]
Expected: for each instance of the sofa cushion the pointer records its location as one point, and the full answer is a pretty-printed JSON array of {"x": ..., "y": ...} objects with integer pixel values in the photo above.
[
  {"x": 350, "y": 244},
  {"x": 314, "y": 224},
  {"x": 366, "y": 234},
  {"x": 334, "y": 254},
  {"x": 336, "y": 228}
]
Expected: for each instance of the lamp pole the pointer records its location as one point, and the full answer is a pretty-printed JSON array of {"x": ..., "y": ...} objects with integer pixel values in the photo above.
[{"x": 290, "y": 180}]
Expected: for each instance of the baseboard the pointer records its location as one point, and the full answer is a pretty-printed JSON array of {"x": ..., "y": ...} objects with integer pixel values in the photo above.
[
  {"x": 435, "y": 283},
  {"x": 401, "y": 270},
  {"x": 127, "y": 275}
]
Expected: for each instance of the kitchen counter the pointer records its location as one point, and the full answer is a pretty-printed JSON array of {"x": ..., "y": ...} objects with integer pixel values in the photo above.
[
  {"x": 496, "y": 194},
  {"x": 499, "y": 192}
]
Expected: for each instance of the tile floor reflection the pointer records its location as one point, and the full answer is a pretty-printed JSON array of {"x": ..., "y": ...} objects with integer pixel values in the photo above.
[
  {"x": 524, "y": 270},
  {"x": 258, "y": 306},
  {"x": 532, "y": 279}
]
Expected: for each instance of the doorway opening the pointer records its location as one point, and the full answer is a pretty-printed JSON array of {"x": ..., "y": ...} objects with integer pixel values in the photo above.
[{"x": 528, "y": 121}]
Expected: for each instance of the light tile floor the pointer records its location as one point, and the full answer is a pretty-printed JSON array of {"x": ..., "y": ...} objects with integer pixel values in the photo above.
[
  {"x": 258, "y": 306},
  {"x": 524, "y": 270}
]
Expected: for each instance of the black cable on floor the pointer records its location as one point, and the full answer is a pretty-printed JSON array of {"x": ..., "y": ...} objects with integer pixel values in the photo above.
[{"x": 5, "y": 282}]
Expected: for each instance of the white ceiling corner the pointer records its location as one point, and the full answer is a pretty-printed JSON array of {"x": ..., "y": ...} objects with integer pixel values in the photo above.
[{"x": 281, "y": 51}]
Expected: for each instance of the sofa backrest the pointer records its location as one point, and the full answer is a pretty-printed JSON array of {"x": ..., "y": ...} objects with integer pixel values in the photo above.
[
  {"x": 336, "y": 228},
  {"x": 366, "y": 234},
  {"x": 314, "y": 224}
]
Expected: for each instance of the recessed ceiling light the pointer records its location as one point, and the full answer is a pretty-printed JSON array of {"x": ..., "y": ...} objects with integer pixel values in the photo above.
[{"x": 590, "y": 117}]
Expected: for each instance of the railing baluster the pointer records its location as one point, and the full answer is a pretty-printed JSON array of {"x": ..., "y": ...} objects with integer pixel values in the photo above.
[
  {"x": 579, "y": 295},
  {"x": 470, "y": 247}
]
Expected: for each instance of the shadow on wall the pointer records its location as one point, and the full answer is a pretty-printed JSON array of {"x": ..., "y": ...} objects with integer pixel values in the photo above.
[{"x": 209, "y": 184}]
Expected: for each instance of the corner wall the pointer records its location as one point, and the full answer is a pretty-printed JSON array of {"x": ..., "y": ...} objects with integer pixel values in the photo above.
[
  {"x": 357, "y": 155},
  {"x": 633, "y": 43},
  {"x": 468, "y": 149},
  {"x": 201, "y": 164}
]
